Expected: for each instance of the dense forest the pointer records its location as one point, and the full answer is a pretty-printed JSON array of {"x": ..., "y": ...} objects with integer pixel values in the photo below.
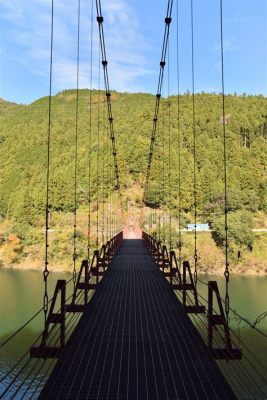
[{"x": 23, "y": 138}]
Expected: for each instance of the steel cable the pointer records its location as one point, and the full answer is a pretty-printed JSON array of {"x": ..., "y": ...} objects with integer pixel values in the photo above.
[
  {"x": 168, "y": 20},
  {"x": 90, "y": 137},
  {"x": 47, "y": 207},
  {"x": 178, "y": 138},
  {"x": 76, "y": 146},
  {"x": 226, "y": 272},
  {"x": 100, "y": 21},
  {"x": 194, "y": 140}
]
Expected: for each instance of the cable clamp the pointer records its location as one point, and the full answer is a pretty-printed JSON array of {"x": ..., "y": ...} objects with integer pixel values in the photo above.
[{"x": 168, "y": 20}]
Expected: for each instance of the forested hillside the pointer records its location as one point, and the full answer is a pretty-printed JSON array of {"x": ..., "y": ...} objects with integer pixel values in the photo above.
[{"x": 23, "y": 138}]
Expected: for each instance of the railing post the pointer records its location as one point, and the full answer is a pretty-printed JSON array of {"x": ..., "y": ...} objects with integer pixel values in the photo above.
[
  {"x": 174, "y": 270},
  {"x": 63, "y": 313},
  {"x": 196, "y": 308},
  {"x": 227, "y": 353},
  {"x": 97, "y": 267},
  {"x": 86, "y": 283},
  {"x": 210, "y": 308},
  {"x": 184, "y": 283},
  {"x": 44, "y": 351}
]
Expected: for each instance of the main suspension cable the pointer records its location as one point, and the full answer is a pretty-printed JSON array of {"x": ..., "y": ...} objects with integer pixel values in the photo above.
[
  {"x": 168, "y": 20},
  {"x": 100, "y": 21}
]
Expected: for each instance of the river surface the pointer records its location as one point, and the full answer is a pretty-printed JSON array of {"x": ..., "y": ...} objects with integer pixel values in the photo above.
[{"x": 21, "y": 296}]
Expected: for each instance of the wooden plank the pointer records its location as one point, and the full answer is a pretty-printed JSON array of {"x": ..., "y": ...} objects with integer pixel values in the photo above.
[{"x": 135, "y": 341}]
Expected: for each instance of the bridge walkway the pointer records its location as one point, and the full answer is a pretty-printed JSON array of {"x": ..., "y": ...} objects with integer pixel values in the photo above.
[{"x": 135, "y": 341}]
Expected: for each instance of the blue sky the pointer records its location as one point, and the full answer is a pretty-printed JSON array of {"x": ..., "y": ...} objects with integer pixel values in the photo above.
[{"x": 133, "y": 32}]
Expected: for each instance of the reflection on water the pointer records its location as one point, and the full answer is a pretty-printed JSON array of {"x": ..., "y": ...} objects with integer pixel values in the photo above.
[{"x": 21, "y": 296}]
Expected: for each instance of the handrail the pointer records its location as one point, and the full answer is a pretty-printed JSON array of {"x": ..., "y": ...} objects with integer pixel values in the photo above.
[
  {"x": 97, "y": 263},
  {"x": 111, "y": 244},
  {"x": 162, "y": 258}
]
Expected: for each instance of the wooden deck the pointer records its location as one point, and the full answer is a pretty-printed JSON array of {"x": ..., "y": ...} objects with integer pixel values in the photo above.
[{"x": 135, "y": 341}]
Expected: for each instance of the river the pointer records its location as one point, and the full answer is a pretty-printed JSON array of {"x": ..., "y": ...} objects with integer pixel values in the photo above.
[{"x": 21, "y": 296}]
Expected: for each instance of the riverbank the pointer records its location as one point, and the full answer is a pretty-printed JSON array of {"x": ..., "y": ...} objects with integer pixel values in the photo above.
[
  {"x": 243, "y": 268},
  {"x": 16, "y": 253}
]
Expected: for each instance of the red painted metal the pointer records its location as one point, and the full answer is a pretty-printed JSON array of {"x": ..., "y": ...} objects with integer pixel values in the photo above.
[{"x": 132, "y": 228}]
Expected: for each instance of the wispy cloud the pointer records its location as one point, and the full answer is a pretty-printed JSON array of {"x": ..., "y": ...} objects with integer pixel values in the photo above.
[
  {"x": 28, "y": 28},
  {"x": 229, "y": 45}
]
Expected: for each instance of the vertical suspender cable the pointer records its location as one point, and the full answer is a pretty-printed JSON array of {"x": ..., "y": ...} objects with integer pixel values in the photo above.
[
  {"x": 114, "y": 205},
  {"x": 226, "y": 272},
  {"x": 178, "y": 138},
  {"x": 109, "y": 189},
  {"x": 103, "y": 174},
  {"x": 97, "y": 155},
  {"x": 90, "y": 137},
  {"x": 159, "y": 216},
  {"x": 163, "y": 172},
  {"x": 154, "y": 215},
  {"x": 106, "y": 189},
  {"x": 46, "y": 270},
  {"x": 113, "y": 198},
  {"x": 76, "y": 146},
  {"x": 194, "y": 142},
  {"x": 157, "y": 191},
  {"x": 169, "y": 151}
]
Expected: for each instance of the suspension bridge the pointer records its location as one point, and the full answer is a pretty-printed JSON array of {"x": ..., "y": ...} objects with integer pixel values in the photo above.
[{"x": 130, "y": 323}]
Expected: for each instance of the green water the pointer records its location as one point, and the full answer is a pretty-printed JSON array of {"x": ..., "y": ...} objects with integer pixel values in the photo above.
[
  {"x": 21, "y": 296},
  {"x": 248, "y": 297}
]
